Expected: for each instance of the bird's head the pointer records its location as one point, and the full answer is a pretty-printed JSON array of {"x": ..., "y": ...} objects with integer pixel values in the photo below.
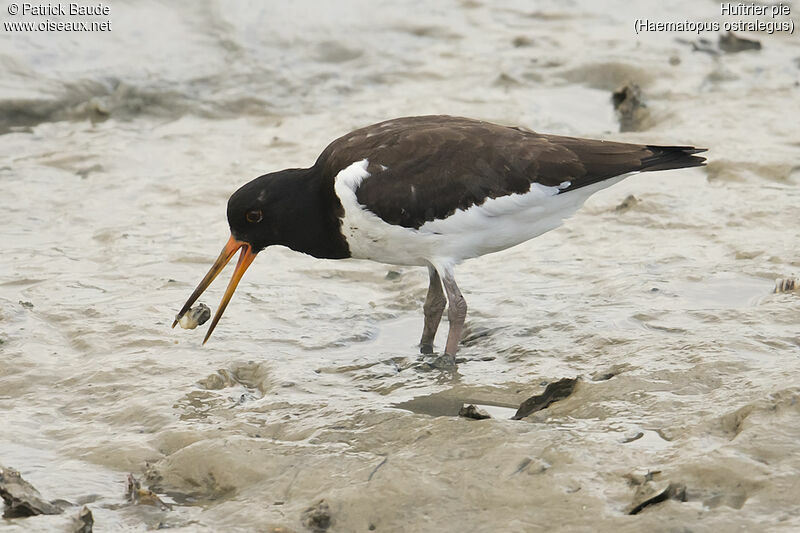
[{"x": 252, "y": 224}]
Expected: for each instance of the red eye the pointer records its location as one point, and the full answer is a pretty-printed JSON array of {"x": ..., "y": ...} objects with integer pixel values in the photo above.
[{"x": 253, "y": 216}]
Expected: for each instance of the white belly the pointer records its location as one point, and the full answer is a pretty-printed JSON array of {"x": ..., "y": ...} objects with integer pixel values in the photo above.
[{"x": 497, "y": 224}]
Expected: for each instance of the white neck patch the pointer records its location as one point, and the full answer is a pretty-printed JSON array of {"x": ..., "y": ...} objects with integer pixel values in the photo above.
[{"x": 352, "y": 176}]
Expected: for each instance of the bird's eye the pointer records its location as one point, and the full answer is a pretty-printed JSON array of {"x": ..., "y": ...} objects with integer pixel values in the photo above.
[{"x": 253, "y": 216}]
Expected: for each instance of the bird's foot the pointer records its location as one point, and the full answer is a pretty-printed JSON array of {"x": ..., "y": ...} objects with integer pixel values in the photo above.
[{"x": 444, "y": 361}]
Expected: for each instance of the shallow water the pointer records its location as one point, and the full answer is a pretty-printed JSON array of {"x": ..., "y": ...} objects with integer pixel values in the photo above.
[{"x": 119, "y": 151}]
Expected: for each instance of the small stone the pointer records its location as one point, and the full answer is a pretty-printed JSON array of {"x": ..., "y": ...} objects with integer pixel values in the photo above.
[
  {"x": 20, "y": 497},
  {"x": 651, "y": 492},
  {"x": 504, "y": 80},
  {"x": 521, "y": 42},
  {"x": 603, "y": 375},
  {"x": 629, "y": 104},
  {"x": 318, "y": 517},
  {"x": 630, "y": 437},
  {"x": 627, "y": 203},
  {"x": 474, "y": 412},
  {"x": 732, "y": 43},
  {"x": 84, "y": 522},
  {"x": 139, "y": 496},
  {"x": 392, "y": 275}
]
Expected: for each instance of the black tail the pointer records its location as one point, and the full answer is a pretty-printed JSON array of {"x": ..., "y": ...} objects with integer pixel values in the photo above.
[
  {"x": 669, "y": 157},
  {"x": 602, "y": 160}
]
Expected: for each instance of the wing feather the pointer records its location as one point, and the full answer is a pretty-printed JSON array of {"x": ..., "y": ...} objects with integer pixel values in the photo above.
[{"x": 426, "y": 168}]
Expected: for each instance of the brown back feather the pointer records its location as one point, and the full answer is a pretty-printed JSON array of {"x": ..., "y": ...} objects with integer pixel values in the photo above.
[{"x": 438, "y": 164}]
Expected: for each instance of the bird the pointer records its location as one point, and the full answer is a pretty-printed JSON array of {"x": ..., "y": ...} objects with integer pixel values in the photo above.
[{"x": 429, "y": 191}]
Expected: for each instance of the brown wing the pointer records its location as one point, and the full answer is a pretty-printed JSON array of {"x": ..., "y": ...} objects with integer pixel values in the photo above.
[{"x": 425, "y": 168}]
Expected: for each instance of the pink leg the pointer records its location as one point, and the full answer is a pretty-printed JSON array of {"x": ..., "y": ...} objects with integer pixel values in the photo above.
[
  {"x": 434, "y": 307},
  {"x": 456, "y": 312}
]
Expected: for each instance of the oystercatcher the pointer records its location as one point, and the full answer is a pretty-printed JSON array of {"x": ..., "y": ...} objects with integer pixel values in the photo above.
[{"x": 427, "y": 191}]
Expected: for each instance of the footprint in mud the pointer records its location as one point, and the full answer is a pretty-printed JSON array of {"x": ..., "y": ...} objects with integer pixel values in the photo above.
[
  {"x": 227, "y": 388},
  {"x": 369, "y": 375}
]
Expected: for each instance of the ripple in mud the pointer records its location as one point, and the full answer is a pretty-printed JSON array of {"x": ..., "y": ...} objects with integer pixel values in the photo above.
[
  {"x": 224, "y": 389},
  {"x": 449, "y": 402},
  {"x": 334, "y": 52},
  {"x": 465, "y": 402},
  {"x": 608, "y": 76}
]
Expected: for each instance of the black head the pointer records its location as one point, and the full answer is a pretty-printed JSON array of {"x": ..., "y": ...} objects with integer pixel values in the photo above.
[
  {"x": 253, "y": 214},
  {"x": 256, "y": 210}
]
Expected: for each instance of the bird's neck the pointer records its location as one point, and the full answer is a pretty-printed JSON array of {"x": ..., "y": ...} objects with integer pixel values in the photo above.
[{"x": 312, "y": 224}]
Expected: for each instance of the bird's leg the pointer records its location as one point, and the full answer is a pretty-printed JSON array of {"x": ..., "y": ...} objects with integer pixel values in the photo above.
[
  {"x": 434, "y": 307},
  {"x": 456, "y": 312}
]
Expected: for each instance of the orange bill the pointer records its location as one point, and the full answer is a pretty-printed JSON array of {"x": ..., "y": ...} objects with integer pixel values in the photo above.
[{"x": 245, "y": 259}]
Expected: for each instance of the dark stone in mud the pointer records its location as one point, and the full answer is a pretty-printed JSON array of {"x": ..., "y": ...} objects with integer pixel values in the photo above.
[
  {"x": 521, "y": 42},
  {"x": 473, "y": 412},
  {"x": 392, "y": 275},
  {"x": 554, "y": 392},
  {"x": 633, "y": 437},
  {"x": 84, "y": 172},
  {"x": 84, "y": 522},
  {"x": 506, "y": 81},
  {"x": 21, "y": 498},
  {"x": 627, "y": 203},
  {"x": 605, "y": 375},
  {"x": 137, "y": 495},
  {"x": 318, "y": 517},
  {"x": 630, "y": 107},
  {"x": 732, "y": 43},
  {"x": 532, "y": 466},
  {"x": 650, "y": 493}
]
